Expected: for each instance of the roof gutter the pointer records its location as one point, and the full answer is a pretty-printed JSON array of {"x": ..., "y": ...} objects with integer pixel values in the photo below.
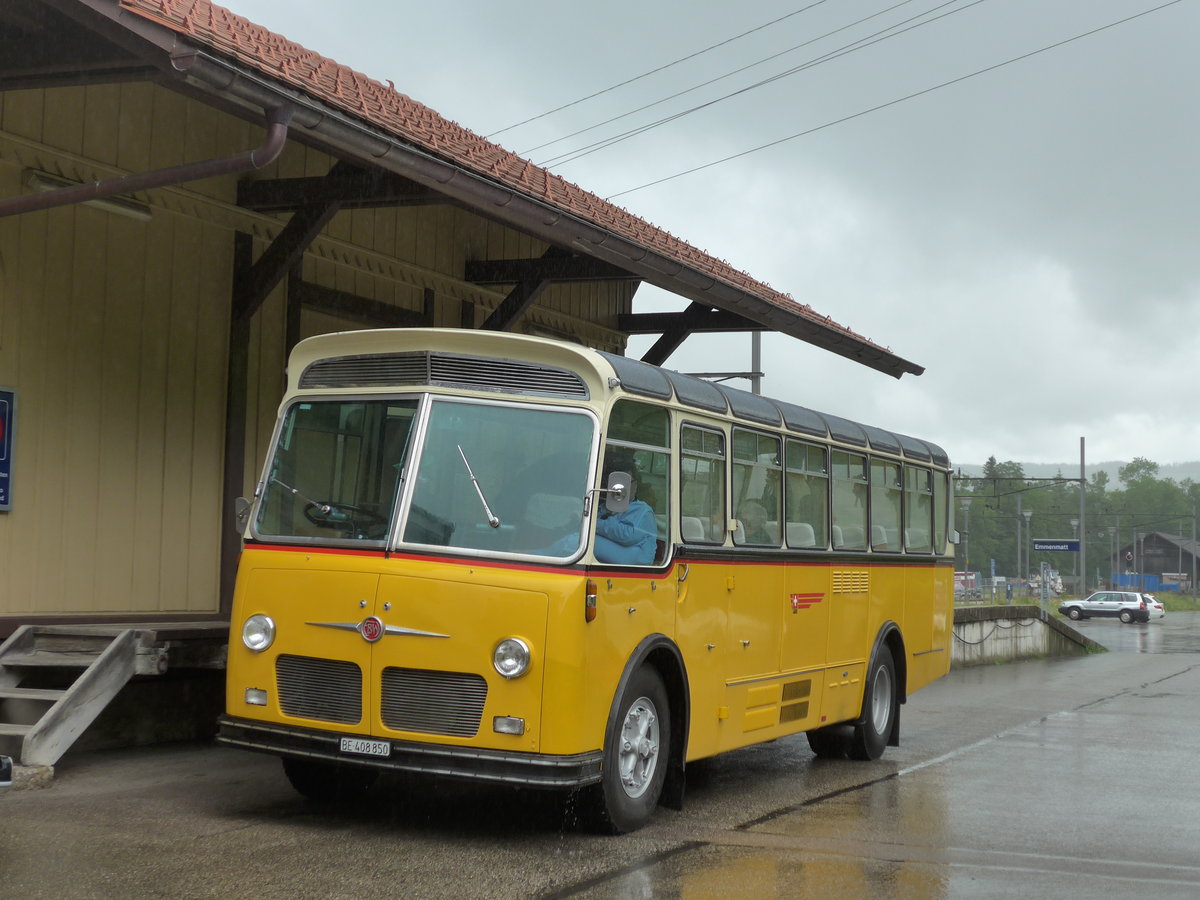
[{"x": 277, "y": 132}]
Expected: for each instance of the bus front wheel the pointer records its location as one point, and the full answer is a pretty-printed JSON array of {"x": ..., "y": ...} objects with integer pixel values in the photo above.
[
  {"x": 636, "y": 756},
  {"x": 324, "y": 782},
  {"x": 869, "y": 738}
]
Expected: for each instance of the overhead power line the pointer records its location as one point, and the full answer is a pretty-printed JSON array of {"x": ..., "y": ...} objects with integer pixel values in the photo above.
[
  {"x": 738, "y": 71},
  {"x": 896, "y": 101},
  {"x": 655, "y": 71},
  {"x": 862, "y": 43}
]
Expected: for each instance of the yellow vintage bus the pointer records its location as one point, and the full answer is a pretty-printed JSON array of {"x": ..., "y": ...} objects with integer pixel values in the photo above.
[{"x": 522, "y": 561}]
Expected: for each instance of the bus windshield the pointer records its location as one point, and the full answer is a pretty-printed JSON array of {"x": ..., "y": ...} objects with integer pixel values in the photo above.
[
  {"x": 335, "y": 470},
  {"x": 497, "y": 478},
  {"x": 502, "y": 478}
]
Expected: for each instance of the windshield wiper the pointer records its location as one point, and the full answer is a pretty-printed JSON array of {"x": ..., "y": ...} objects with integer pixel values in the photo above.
[
  {"x": 493, "y": 520},
  {"x": 323, "y": 508}
]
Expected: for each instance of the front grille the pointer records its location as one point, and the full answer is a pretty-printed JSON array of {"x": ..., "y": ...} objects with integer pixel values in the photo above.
[
  {"x": 449, "y": 370},
  {"x": 329, "y": 690},
  {"x": 449, "y": 703}
]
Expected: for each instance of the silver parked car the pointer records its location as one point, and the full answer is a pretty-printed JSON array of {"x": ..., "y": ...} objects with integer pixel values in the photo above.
[
  {"x": 1154, "y": 606},
  {"x": 1128, "y": 606}
]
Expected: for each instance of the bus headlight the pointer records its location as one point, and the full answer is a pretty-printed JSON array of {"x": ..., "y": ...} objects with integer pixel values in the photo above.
[
  {"x": 511, "y": 657},
  {"x": 258, "y": 633}
]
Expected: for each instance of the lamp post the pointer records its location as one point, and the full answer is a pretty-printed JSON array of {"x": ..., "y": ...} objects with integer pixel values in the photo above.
[
  {"x": 1018, "y": 536},
  {"x": 1028, "y": 514},
  {"x": 1112, "y": 554},
  {"x": 965, "y": 503},
  {"x": 1075, "y": 561}
]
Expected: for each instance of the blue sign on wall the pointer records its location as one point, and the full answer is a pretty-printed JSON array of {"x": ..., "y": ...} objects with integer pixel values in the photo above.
[
  {"x": 1063, "y": 545},
  {"x": 8, "y": 415}
]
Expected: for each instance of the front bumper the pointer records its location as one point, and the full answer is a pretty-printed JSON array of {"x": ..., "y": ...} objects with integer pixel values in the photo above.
[{"x": 468, "y": 763}]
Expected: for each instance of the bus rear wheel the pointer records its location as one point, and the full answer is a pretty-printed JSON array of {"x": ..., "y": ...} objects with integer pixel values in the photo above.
[
  {"x": 636, "y": 756},
  {"x": 869, "y": 738},
  {"x": 326, "y": 782},
  {"x": 832, "y": 742}
]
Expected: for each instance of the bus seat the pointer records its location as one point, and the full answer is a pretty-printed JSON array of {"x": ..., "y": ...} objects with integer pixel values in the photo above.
[
  {"x": 853, "y": 537},
  {"x": 837, "y": 537},
  {"x": 916, "y": 538},
  {"x": 661, "y": 522},
  {"x": 879, "y": 538},
  {"x": 739, "y": 533},
  {"x": 692, "y": 528},
  {"x": 772, "y": 531},
  {"x": 801, "y": 534}
]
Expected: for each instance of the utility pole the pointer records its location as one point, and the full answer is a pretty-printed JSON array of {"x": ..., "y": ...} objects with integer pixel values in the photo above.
[{"x": 1082, "y": 522}]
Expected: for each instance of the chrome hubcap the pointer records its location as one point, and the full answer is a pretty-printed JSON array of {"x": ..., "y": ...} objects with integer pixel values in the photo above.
[
  {"x": 881, "y": 700},
  {"x": 638, "y": 754}
]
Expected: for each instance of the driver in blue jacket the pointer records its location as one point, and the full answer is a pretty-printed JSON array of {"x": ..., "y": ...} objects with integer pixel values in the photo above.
[{"x": 628, "y": 537}]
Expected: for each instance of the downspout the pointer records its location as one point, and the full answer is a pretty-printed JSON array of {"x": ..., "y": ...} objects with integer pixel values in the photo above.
[{"x": 277, "y": 132}]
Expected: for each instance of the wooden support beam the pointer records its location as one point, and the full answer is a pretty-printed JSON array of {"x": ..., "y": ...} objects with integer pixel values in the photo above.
[
  {"x": 505, "y": 316},
  {"x": 351, "y": 306},
  {"x": 696, "y": 319},
  {"x": 348, "y": 186},
  {"x": 237, "y": 372},
  {"x": 285, "y": 251}
]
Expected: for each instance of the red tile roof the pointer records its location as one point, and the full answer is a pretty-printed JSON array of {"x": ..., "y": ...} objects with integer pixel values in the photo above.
[{"x": 384, "y": 107}]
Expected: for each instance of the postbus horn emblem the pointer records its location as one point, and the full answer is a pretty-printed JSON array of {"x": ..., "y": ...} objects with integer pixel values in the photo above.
[{"x": 371, "y": 628}]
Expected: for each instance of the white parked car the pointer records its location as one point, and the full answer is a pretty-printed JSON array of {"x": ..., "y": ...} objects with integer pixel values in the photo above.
[
  {"x": 1154, "y": 606},
  {"x": 1128, "y": 606}
]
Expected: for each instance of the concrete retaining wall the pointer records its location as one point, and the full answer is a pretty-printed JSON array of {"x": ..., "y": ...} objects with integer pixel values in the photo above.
[{"x": 989, "y": 634}]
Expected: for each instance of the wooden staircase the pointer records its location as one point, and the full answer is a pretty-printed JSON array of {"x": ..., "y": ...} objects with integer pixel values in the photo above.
[{"x": 56, "y": 679}]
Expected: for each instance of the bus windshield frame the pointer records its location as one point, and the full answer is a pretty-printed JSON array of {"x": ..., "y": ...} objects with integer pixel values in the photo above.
[{"x": 430, "y": 472}]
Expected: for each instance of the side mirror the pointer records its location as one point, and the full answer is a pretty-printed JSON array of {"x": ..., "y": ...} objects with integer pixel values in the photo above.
[
  {"x": 241, "y": 513},
  {"x": 620, "y": 492}
]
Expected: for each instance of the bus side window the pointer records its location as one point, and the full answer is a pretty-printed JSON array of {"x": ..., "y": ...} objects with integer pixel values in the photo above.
[
  {"x": 641, "y": 432},
  {"x": 702, "y": 484},
  {"x": 849, "y": 500},
  {"x": 806, "y": 495},
  {"x": 885, "y": 505},
  {"x": 918, "y": 509},
  {"x": 757, "y": 461}
]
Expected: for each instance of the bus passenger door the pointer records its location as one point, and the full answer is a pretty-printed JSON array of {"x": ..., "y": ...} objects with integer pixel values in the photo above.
[
  {"x": 701, "y": 633},
  {"x": 755, "y": 597}
]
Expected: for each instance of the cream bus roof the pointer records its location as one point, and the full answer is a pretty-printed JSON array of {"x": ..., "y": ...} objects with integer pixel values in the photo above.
[{"x": 351, "y": 362}]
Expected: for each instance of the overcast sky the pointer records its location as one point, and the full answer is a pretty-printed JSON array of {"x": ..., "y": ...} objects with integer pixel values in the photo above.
[{"x": 1028, "y": 234}]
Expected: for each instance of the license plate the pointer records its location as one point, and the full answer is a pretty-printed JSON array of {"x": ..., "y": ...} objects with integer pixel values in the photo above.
[{"x": 364, "y": 747}]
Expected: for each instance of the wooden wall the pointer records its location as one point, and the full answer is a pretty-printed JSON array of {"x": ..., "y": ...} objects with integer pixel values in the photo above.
[{"x": 115, "y": 333}]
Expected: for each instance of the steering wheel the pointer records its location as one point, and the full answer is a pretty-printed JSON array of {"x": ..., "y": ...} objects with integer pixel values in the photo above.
[{"x": 347, "y": 518}]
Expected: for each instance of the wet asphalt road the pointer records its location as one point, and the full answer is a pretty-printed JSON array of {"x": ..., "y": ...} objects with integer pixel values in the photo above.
[{"x": 1063, "y": 778}]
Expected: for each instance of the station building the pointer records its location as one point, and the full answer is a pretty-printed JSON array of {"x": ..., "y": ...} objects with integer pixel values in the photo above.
[{"x": 184, "y": 195}]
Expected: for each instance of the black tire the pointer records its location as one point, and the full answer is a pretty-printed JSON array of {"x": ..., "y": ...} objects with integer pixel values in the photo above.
[
  {"x": 1074, "y": 614},
  {"x": 829, "y": 743},
  {"x": 869, "y": 739},
  {"x": 636, "y": 755},
  {"x": 1126, "y": 616},
  {"x": 327, "y": 782}
]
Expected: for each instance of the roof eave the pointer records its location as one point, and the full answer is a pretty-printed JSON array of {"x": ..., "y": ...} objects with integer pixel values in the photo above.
[{"x": 185, "y": 61}]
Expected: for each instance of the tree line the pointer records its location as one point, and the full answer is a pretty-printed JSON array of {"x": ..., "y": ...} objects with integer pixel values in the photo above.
[{"x": 990, "y": 512}]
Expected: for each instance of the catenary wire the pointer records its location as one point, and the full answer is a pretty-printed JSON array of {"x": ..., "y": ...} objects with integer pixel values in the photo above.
[
  {"x": 655, "y": 71},
  {"x": 862, "y": 43},
  {"x": 894, "y": 102},
  {"x": 704, "y": 84}
]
